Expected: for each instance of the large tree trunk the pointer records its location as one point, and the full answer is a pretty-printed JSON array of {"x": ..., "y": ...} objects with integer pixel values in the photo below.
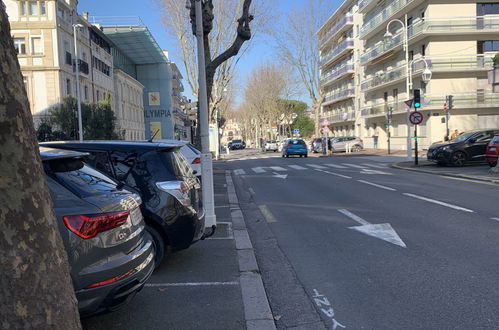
[{"x": 36, "y": 289}]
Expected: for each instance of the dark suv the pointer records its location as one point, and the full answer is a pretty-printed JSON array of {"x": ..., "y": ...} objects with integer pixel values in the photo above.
[
  {"x": 158, "y": 172},
  {"x": 237, "y": 144},
  {"x": 109, "y": 252},
  {"x": 467, "y": 147}
]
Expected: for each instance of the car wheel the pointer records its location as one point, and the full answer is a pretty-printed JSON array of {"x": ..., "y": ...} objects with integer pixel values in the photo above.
[
  {"x": 356, "y": 149},
  {"x": 458, "y": 159},
  {"x": 287, "y": 156},
  {"x": 492, "y": 164},
  {"x": 159, "y": 245},
  {"x": 306, "y": 156}
]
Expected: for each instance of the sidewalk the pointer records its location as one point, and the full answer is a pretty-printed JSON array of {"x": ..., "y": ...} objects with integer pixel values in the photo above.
[
  {"x": 480, "y": 172},
  {"x": 214, "y": 284}
]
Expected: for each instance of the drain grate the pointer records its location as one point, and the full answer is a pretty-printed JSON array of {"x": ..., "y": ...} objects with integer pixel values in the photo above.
[{"x": 224, "y": 231}]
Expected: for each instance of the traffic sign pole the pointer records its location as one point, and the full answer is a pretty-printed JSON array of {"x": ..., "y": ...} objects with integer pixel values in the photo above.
[{"x": 416, "y": 145}]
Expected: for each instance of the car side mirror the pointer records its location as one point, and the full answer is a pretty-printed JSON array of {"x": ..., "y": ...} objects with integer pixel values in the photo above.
[
  {"x": 194, "y": 172},
  {"x": 472, "y": 140}
]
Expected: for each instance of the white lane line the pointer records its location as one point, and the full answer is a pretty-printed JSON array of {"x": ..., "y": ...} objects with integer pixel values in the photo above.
[
  {"x": 377, "y": 185},
  {"x": 336, "y": 174},
  {"x": 251, "y": 191},
  {"x": 278, "y": 168},
  {"x": 239, "y": 171},
  {"x": 335, "y": 166},
  {"x": 354, "y": 165},
  {"x": 159, "y": 285},
  {"x": 297, "y": 167},
  {"x": 316, "y": 166},
  {"x": 258, "y": 170},
  {"x": 222, "y": 206},
  {"x": 439, "y": 202},
  {"x": 375, "y": 166},
  {"x": 354, "y": 217},
  {"x": 496, "y": 219}
]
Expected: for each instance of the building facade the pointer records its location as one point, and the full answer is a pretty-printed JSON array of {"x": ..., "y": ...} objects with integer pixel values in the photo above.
[
  {"x": 182, "y": 125},
  {"x": 455, "y": 39}
]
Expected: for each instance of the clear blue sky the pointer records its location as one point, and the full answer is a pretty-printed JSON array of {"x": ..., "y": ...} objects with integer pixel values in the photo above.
[{"x": 149, "y": 12}]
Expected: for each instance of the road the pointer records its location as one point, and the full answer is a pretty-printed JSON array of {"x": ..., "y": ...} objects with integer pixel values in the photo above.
[{"x": 371, "y": 247}]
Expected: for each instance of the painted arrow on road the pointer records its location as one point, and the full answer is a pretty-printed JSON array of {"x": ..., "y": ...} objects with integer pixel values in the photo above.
[
  {"x": 280, "y": 176},
  {"x": 382, "y": 231}
]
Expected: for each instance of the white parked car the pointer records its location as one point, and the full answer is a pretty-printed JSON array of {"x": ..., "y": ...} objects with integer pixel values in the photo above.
[{"x": 270, "y": 145}]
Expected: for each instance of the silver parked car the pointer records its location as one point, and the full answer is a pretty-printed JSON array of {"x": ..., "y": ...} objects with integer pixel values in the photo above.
[{"x": 340, "y": 144}]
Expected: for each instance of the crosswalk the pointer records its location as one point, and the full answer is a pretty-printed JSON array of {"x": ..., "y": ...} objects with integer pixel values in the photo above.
[{"x": 364, "y": 168}]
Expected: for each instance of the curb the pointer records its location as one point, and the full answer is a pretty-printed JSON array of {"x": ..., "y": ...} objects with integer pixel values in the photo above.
[
  {"x": 459, "y": 176},
  {"x": 256, "y": 305}
]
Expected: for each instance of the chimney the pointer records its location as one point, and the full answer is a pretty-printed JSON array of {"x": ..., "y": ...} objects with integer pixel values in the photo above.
[{"x": 85, "y": 15}]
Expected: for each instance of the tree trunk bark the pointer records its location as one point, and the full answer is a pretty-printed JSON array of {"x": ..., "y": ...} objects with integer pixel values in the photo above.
[{"x": 36, "y": 287}]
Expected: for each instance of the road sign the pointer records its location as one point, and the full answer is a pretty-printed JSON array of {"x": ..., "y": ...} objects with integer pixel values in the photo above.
[
  {"x": 409, "y": 103},
  {"x": 416, "y": 118},
  {"x": 296, "y": 131}
]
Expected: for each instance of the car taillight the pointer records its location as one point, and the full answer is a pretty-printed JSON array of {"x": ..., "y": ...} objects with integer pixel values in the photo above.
[
  {"x": 361, "y": 141},
  {"x": 177, "y": 189},
  {"x": 89, "y": 225},
  {"x": 290, "y": 145},
  {"x": 304, "y": 145},
  {"x": 196, "y": 160}
]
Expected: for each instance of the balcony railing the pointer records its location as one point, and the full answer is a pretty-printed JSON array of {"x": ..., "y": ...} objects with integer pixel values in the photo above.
[
  {"x": 344, "y": 21},
  {"x": 434, "y": 102},
  {"x": 384, "y": 78},
  {"x": 337, "y": 95},
  {"x": 333, "y": 75},
  {"x": 364, "y": 3},
  {"x": 83, "y": 67},
  {"x": 336, "y": 51},
  {"x": 383, "y": 15},
  {"x": 381, "y": 48},
  {"x": 455, "y": 63},
  {"x": 340, "y": 117}
]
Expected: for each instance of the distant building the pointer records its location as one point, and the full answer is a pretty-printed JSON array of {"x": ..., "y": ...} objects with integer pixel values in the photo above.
[{"x": 181, "y": 124}]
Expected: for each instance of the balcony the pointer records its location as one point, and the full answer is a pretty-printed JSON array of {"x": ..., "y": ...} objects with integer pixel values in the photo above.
[
  {"x": 339, "y": 95},
  {"x": 340, "y": 117},
  {"x": 331, "y": 76},
  {"x": 366, "y": 5},
  {"x": 337, "y": 51},
  {"x": 381, "y": 48},
  {"x": 457, "y": 63},
  {"x": 384, "y": 78},
  {"x": 346, "y": 21},
  {"x": 383, "y": 15},
  {"x": 436, "y": 102}
]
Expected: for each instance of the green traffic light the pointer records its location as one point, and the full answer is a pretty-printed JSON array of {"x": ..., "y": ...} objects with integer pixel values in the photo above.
[{"x": 417, "y": 105}]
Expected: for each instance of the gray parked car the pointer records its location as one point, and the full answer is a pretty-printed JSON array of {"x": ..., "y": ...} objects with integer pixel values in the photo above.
[
  {"x": 109, "y": 252},
  {"x": 339, "y": 144}
]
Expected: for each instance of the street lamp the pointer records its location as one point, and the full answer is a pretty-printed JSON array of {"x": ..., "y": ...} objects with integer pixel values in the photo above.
[
  {"x": 408, "y": 84},
  {"x": 78, "y": 97}
]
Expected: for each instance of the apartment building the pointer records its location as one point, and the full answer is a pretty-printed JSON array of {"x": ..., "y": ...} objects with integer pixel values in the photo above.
[
  {"x": 181, "y": 125},
  {"x": 456, "y": 40},
  {"x": 339, "y": 48},
  {"x": 43, "y": 37}
]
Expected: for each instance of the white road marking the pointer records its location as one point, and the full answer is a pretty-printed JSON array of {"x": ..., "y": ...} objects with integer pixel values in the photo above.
[
  {"x": 297, "y": 167},
  {"x": 280, "y": 176},
  {"x": 377, "y": 185},
  {"x": 369, "y": 171},
  {"x": 335, "y": 165},
  {"x": 375, "y": 166},
  {"x": 354, "y": 217},
  {"x": 353, "y": 165},
  {"x": 383, "y": 231},
  {"x": 316, "y": 166},
  {"x": 251, "y": 191},
  {"x": 439, "y": 202},
  {"x": 222, "y": 206},
  {"x": 336, "y": 174},
  {"x": 323, "y": 303},
  {"x": 239, "y": 171},
  {"x": 159, "y": 285},
  {"x": 278, "y": 168},
  {"x": 496, "y": 219},
  {"x": 258, "y": 170}
]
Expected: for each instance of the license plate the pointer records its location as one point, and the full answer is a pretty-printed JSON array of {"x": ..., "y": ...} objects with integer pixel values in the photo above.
[
  {"x": 492, "y": 149},
  {"x": 136, "y": 216}
]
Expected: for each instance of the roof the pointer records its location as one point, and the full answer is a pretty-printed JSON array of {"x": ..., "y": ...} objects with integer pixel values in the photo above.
[
  {"x": 126, "y": 146},
  {"x": 52, "y": 153}
]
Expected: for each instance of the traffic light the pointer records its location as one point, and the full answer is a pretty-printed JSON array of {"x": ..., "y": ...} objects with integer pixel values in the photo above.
[
  {"x": 450, "y": 102},
  {"x": 417, "y": 99}
]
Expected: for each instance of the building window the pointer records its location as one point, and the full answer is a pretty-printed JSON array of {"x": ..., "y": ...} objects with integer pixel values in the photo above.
[
  {"x": 411, "y": 55},
  {"x": 86, "y": 93},
  {"x": 68, "y": 87},
  {"x": 97, "y": 96},
  {"x": 33, "y": 8},
  {"x": 60, "y": 12},
  {"x": 488, "y": 46},
  {"x": 423, "y": 50},
  {"x": 43, "y": 8},
  {"x": 22, "y": 8},
  {"x": 36, "y": 46},
  {"x": 487, "y": 9},
  {"x": 20, "y": 45}
]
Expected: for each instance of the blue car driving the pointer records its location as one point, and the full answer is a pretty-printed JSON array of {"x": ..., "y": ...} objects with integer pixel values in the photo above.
[{"x": 295, "y": 147}]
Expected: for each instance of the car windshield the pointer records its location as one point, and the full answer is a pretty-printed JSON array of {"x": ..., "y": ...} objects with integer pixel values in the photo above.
[
  {"x": 236, "y": 141},
  {"x": 296, "y": 142},
  {"x": 462, "y": 137}
]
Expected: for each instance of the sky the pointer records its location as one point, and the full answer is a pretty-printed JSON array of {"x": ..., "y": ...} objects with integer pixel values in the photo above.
[{"x": 150, "y": 12}]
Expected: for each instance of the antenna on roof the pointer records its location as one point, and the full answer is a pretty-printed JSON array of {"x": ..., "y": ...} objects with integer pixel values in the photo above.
[{"x": 153, "y": 136}]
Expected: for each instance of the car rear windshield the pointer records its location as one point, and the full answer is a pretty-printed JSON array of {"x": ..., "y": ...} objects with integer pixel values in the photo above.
[
  {"x": 78, "y": 177},
  {"x": 495, "y": 139},
  {"x": 176, "y": 163},
  {"x": 296, "y": 142}
]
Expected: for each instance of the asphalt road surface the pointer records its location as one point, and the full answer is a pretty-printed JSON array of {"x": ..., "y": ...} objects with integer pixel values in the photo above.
[{"x": 369, "y": 246}]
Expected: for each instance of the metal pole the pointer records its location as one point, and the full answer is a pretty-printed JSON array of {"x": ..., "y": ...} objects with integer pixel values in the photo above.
[
  {"x": 78, "y": 97},
  {"x": 415, "y": 144},
  {"x": 206, "y": 161},
  {"x": 408, "y": 86}
]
